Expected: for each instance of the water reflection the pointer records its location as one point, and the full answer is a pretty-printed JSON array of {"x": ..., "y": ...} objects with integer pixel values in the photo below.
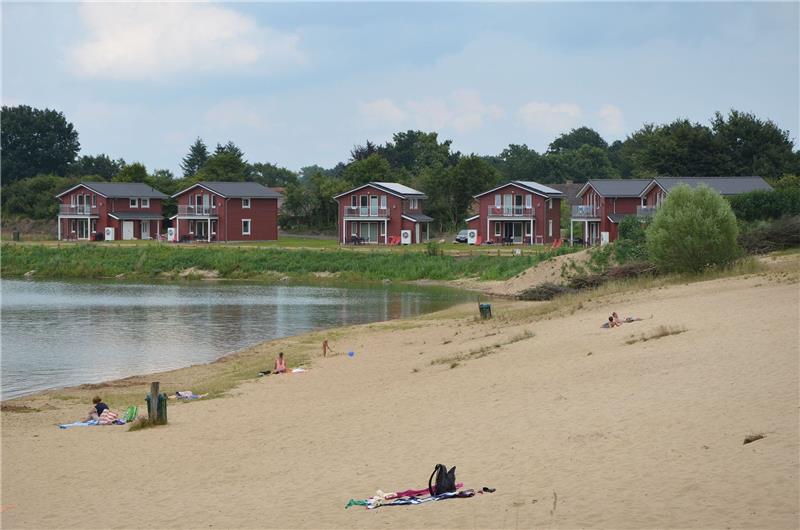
[{"x": 59, "y": 334}]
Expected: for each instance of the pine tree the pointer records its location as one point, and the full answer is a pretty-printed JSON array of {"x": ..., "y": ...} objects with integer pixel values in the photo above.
[{"x": 197, "y": 157}]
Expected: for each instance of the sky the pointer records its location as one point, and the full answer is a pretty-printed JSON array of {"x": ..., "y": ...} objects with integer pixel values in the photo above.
[{"x": 296, "y": 84}]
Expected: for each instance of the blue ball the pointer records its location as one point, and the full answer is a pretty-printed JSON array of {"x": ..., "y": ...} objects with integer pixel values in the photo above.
[{"x": 351, "y": 353}]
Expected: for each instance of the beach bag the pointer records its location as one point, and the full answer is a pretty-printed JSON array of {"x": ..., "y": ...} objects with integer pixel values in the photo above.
[{"x": 442, "y": 480}]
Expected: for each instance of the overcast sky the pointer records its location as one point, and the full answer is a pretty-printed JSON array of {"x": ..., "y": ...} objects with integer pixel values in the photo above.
[{"x": 299, "y": 84}]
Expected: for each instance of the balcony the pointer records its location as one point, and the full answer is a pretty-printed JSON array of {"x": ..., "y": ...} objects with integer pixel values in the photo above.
[
  {"x": 585, "y": 211},
  {"x": 645, "y": 211},
  {"x": 189, "y": 210},
  {"x": 80, "y": 209},
  {"x": 510, "y": 211},
  {"x": 366, "y": 212}
]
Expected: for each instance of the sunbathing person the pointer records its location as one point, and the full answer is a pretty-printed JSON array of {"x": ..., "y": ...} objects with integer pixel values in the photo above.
[
  {"x": 280, "y": 364},
  {"x": 627, "y": 319},
  {"x": 97, "y": 409},
  {"x": 612, "y": 323}
]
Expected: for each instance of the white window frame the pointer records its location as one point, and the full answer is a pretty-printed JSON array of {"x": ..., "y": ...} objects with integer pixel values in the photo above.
[
  {"x": 413, "y": 204},
  {"x": 145, "y": 202},
  {"x": 354, "y": 201},
  {"x": 94, "y": 201},
  {"x": 528, "y": 201},
  {"x": 72, "y": 200},
  {"x": 549, "y": 228},
  {"x": 497, "y": 232},
  {"x": 527, "y": 229},
  {"x": 498, "y": 201},
  {"x": 249, "y": 227},
  {"x": 133, "y": 203},
  {"x": 245, "y": 202},
  {"x": 383, "y": 202}
]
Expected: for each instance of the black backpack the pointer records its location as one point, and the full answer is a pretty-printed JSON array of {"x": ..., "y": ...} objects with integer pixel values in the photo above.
[{"x": 442, "y": 480}]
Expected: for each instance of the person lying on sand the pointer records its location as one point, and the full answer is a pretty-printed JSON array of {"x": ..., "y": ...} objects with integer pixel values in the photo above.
[
  {"x": 627, "y": 319},
  {"x": 280, "y": 364},
  {"x": 97, "y": 409},
  {"x": 612, "y": 323}
]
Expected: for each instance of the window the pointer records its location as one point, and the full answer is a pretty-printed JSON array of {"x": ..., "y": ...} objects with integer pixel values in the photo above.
[
  {"x": 497, "y": 230},
  {"x": 145, "y": 202},
  {"x": 245, "y": 227},
  {"x": 413, "y": 204},
  {"x": 94, "y": 201},
  {"x": 383, "y": 202},
  {"x": 72, "y": 200},
  {"x": 527, "y": 229},
  {"x": 551, "y": 203},
  {"x": 498, "y": 201},
  {"x": 549, "y": 228},
  {"x": 528, "y": 201},
  {"x": 246, "y": 203},
  {"x": 354, "y": 201},
  {"x": 134, "y": 203}
]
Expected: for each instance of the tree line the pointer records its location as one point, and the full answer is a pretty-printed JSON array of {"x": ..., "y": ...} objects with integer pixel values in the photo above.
[{"x": 41, "y": 156}]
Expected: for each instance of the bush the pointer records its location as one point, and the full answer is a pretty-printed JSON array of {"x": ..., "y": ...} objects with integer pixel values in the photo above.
[
  {"x": 631, "y": 244},
  {"x": 694, "y": 229},
  {"x": 543, "y": 292},
  {"x": 765, "y": 205},
  {"x": 768, "y": 237}
]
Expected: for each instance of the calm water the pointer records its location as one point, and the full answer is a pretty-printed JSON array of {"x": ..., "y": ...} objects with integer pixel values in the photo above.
[{"x": 57, "y": 334}]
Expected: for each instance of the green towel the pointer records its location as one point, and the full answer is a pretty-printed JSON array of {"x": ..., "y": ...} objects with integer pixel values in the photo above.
[
  {"x": 131, "y": 413},
  {"x": 354, "y": 502}
]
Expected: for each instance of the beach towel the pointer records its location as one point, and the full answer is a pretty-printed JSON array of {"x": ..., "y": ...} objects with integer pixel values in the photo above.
[
  {"x": 188, "y": 394},
  {"x": 78, "y": 424},
  {"x": 298, "y": 370},
  {"x": 108, "y": 417}
]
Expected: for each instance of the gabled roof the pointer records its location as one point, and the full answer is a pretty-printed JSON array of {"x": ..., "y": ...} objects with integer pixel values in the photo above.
[
  {"x": 722, "y": 185},
  {"x": 528, "y": 185},
  {"x": 113, "y": 190},
  {"x": 392, "y": 188},
  {"x": 252, "y": 190},
  {"x": 616, "y": 187},
  {"x": 417, "y": 217}
]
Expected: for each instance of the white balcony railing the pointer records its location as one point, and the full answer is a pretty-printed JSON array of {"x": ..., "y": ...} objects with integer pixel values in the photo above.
[
  {"x": 510, "y": 211},
  {"x": 645, "y": 211},
  {"x": 190, "y": 210},
  {"x": 79, "y": 209},
  {"x": 585, "y": 211},
  {"x": 365, "y": 211}
]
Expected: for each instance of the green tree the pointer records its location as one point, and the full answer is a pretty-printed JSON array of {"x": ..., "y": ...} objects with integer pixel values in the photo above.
[
  {"x": 751, "y": 146},
  {"x": 34, "y": 141},
  {"x": 100, "y": 166},
  {"x": 518, "y": 162},
  {"x": 577, "y": 138},
  {"x": 135, "y": 172},
  {"x": 271, "y": 175},
  {"x": 694, "y": 229},
  {"x": 766, "y": 205},
  {"x": 33, "y": 197},
  {"x": 374, "y": 168},
  {"x": 631, "y": 245},
  {"x": 579, "y": 165},
  {"x": 230, "y": 148},
  {"x": 195, "y": 159},
  {"x": 415, "y": 150}
]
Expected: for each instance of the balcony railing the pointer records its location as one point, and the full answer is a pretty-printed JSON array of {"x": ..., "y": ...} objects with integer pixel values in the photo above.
[
  {"x": 585, "y": 211},
  {"x": 365, "y": 211},
  {"x": 510, "y": 211},
  {"x": 79, "y": 209},
  {"x": 645, "y": 211},
  {"x": 190, "y": 210}
]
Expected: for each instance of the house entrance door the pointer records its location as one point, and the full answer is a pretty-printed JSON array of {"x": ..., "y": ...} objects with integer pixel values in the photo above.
[
  {"x": 127, "y": 230},
  {"x": 145, "y": 229},
  {"x": 369, "y": 231}
]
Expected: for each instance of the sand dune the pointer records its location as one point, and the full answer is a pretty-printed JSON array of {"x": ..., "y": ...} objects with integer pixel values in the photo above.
[{"x": 573, "y": 426}]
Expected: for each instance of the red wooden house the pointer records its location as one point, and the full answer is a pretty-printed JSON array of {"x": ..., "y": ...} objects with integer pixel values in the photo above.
[
  {"x": 131, "y": 210},
  {"x": 519, "y": 212},
  {"x": 226, "y": 211},
  {"x": 379, "y": 212},
  {"x": 658, "y": 188},
  {"x": 603, "y": 204}
]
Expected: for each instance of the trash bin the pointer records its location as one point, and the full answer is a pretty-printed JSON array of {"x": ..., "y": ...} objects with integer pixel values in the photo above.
[
  {"x": 486, "y": 311},
  {"x": 161, "y": 408},
  {"x": 15, "y": 235}
]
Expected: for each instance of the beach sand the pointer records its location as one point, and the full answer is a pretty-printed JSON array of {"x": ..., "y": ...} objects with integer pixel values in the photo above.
[{"x": 573, "y": 426}]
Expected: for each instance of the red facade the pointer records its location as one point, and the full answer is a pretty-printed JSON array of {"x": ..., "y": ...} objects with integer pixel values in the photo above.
[
  {"x": 206, "y": 215},
  {"x": 84, "y": 214},
  {"x": 515, "y": 214},
  {"x": 604, "y": 207},
  {"x": 372, "y": 214}
]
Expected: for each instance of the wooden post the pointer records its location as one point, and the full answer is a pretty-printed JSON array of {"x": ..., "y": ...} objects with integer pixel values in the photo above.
[{"x": 153, "y": 413}]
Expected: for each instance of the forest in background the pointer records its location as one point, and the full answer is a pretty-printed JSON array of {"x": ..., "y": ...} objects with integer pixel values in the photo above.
[{"x": 41, "y": 157}]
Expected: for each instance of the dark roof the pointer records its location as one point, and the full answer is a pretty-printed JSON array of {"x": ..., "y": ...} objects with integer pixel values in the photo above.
[
  {"x": 722, "y": 185},
  {"x": 113, "y": 190},
  {"x": 570, "y": 191},
  {"x": 251, "y": 190},
  {"x": 617, "y": 187},
  {"x": 418, "y": 217},
  {"x": 135, "y": 215},
  {"x": 389, "y": 187},
  {"x": 617, "y": 217}
]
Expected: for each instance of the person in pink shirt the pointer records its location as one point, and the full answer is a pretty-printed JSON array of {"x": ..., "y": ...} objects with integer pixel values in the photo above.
[{"x": 280, "y": 364}]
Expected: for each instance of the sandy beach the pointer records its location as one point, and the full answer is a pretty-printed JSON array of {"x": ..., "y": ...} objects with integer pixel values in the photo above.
[{"x": 574, "y": 425}]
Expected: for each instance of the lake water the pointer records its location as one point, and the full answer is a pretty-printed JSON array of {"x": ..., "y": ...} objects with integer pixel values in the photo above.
[{"x": 57, "y": 334}]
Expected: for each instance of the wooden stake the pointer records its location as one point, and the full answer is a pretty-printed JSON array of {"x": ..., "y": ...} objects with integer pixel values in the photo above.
[{"x": 153, "y": 416}]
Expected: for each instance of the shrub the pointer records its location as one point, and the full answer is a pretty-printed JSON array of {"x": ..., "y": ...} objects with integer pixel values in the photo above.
[
  {"x": 694, "y": 229},
  {"x": 768, "y": 237},
  {"x": 763, "y": 205},
  {"x": 631, "y": 244}
]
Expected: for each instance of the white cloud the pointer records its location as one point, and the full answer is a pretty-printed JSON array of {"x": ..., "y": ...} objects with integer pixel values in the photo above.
[
  {"x": 611, "y": 119},
  {"x": 233, "y": 114},
  {"x": 381, "y": 113},
  {"x": 150, "y": 41},
  {"x": 461, "y": 111},
  {"x": 549, "y": 117}
]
